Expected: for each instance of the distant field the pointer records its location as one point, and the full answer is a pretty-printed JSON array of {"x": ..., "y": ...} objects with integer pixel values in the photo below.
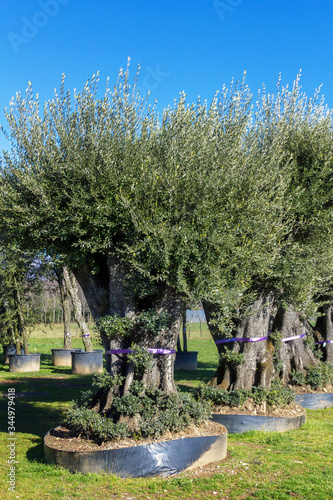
[{"x": 56, "y": 330}]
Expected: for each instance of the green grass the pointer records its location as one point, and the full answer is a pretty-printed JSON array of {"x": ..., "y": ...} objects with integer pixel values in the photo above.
[{"x": 296, "y": 464}]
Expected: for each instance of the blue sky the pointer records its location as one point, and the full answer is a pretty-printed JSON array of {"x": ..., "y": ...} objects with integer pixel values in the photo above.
[{"x": 192, "y": 46}]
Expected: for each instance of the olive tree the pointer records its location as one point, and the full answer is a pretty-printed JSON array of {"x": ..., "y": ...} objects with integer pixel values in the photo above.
[{"x": 297, "y": 133}]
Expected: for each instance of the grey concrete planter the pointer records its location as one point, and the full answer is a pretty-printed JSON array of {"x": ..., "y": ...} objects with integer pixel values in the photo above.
[
  {"x": 157, "y": 459},
  {"x": 242, "y": 423},
  {"x": 315, "y": 401},
  {"x": 8, "y": 349},
  {"x": 186, "y": 360},
  {"x": 24, "y": 362},
  {"x": 63, "y": 357},
  {"x": 86, "y": 363}
]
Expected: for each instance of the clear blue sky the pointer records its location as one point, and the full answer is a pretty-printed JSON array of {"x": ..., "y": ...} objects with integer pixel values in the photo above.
[{"x": 193, "y": 46}]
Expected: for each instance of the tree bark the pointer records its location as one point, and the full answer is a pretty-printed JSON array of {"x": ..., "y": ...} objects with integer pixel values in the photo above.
[
  {"x": 66, "y": 309},
  {"x": 72, "y": 287},
  {"x": 296, "y": 354},
  {"x": 324, "y": 326},
  {"x": 20, "y": 317},
  {"x": 106, "y": 294},
  {"x": 257, "y": 367}
]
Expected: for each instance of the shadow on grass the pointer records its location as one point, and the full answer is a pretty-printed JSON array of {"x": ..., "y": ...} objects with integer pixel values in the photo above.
[
  {"x": 203, "y": 373},
  {"x": 40, "y": 402}
]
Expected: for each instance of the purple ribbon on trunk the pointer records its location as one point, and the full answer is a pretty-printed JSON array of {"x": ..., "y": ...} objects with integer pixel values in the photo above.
[
  {"x": 86, "y": 335},
  {"x": 293, "y": 338},
  {"x": 153, "y": 351},
  {"x": 258, "y": 339},
  {"x": 325, "y": 342},
  {"x": 236, "y": 339}
]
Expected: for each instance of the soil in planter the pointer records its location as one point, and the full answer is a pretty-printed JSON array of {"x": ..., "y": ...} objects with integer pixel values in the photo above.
[
  {"x": 263, "y": 410},
  {"x": 61, "y": 438},
  {"x": 307, "y": 389}
]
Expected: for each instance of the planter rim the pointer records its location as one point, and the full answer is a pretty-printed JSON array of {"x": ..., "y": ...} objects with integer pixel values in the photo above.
[
  {"x": 30, "y": 354},
  {"x": 147, "y": 460},
  {"x": 82, "y": 351},
  {"x": 238, "y": 423},
  {"x": 66, "y": 349},
  {"x": 187, "y": 352}
]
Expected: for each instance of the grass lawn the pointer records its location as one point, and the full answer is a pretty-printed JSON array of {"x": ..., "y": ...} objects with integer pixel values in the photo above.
[{"x": 296, "y": 464}]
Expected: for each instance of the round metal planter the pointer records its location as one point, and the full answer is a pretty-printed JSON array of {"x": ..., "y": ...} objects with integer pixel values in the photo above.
[
  {"x": 8, "y": 349},
  {"x": 63, "y": 357},
  {"x": 87, "y": 362},
  {"x": 315, "y": 401},
  {"x": 186, "y": 360},
  {"x": 24, "y": 362},
  {"x": 241, "y": 423},
  {"x": 157, "y": 459}
]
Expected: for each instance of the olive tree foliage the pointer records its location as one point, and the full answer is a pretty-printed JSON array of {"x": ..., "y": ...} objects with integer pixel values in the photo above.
[
  {"x": 299, "y": 129},
  {"x": 150, "y": 211}
]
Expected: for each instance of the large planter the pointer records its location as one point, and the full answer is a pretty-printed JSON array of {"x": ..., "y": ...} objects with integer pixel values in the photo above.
[
  {"x": 186, "y": 360},
  {"x": 10, "y": 349},
  {"x": 242, "y": 423},
  {"x": 156, "y": 459},
  {"x": 24, "y": 362},
  {"x": 87, "y": 362},
  {"x": 315, "y": 401},
  {"x": 63, "y": 357}
]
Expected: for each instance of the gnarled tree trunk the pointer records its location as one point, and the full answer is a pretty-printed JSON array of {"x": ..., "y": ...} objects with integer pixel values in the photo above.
[
  {"x": 20, "y": 318},
  {"x": 72, "y": 287},
  {"x": 295, "y": 354},
  {"x": 66, "y": 309},
  {"x": 257, "y": 367},
  {"x": 106, "y": 294},
  {"x": 324, "y": 326}
]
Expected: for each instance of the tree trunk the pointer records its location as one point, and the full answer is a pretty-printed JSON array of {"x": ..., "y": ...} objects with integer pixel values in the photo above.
[
  {"x": 295, "y": 354},
  {"x": 257, "y": 367},
  {"x": 324, "y": 326},
  {"x": 66, "y": 309},
  {"x": 184, "y": 333},
  {"x": 72, "y": 287},
  {"x": 20, "y": 317},
  {"x": 106, "y": 294}
]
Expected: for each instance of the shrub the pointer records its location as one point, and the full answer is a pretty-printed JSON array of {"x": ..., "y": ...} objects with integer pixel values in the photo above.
[
  {"x": 115, "y": 326},
  {"x": 213, "y": 394},
  {"x": 279, "y": 395},
  {"x": 81, "y": 420},
  {"x": 297, "y": 377},
  {"x": 259, "y": 395},
  {"x": 276, "y": 396},
  {"x": 238, "y": 397},
  {"x": 319, "y": 376},
  {"x": 158, "y": 413}
]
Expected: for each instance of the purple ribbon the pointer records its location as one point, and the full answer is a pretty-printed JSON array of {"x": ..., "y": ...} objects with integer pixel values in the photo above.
[
  {"x": 325, "y": 342},
  {"x": 86, "y": 335},
  {"x": 67, "y": 334},
  {"x": 258, "y": 339},
  {"x": 153, "y": 351},
  {"x": 236, "y": 339},
  {"x": 293, "y": 338}
]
